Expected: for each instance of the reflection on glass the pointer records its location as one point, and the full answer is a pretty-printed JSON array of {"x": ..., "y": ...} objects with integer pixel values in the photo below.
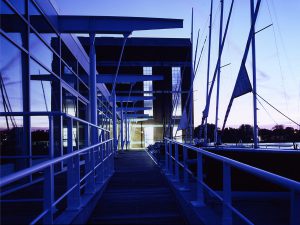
[
  {"x": 40, "y": 95},
  {"x": 12, "y": 24},
  {"x": 11, "y": 78},
  {"x": 19, "y": 5},
  {"x": 39, "y": 136},
  {"x": 69, "y": 103},
  {"x": 69, "y": 76},
  {"x": 40, "y": 51},
  {"x": 68, "y": 57},
  {"x": 39, "y": 22}
]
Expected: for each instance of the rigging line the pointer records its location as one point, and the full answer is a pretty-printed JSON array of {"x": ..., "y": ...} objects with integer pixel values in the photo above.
[
  {"x": 200, "y": 56},
  {"x": 281, "y": 40},
  {"x": 196, "y": 51},
  {"x": 44, "y": 96},
  {"x": 215, "y": 16},
  {"x": 278, "y": 110},
  {"x": 119, "y": 63},
  {"x": 267, "y": 111},
  {"x": 4, "y": 102},
  {"x": 172, "y": 120},
  {"x": 8, "y": 105},
  {"x": 278, "y": 58}
]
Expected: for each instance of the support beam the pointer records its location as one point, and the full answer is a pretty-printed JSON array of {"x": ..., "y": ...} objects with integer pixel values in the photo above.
[
  {"x": 133, "y": 109},
  {"x": 133, "y": 98},
  {"x": 113, "y": 25},
  {"x": 126, "y": 78},
  {"x": 137, "y": 115}
]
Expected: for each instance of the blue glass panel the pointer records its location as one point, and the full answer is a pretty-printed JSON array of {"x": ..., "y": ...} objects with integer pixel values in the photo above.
[
  {"x": 12, "y": 24},
  {"x": 19, "y": 5},
  {"x": 11, "y": 68}
]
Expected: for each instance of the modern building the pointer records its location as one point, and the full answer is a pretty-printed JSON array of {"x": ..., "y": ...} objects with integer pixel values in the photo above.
[
  {"x": 166, "y": 57},
  {"x": 58, "y": 118}
]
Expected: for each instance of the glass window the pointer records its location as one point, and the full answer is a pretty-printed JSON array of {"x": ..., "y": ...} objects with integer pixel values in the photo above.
[
  {"x": 69, "y": 76},
  {"x": 176, "y": 91},
  {"x": 12, "y": 24},
  {"x": 39, "y": 22},
  {"x": 41, "y": 52},
  {"x": 19, "y": 5},
  {"x": 42, "y": 85},
  {"x": 68, "y": 57},
  {"x": 148, "y": 87},
  {"x": 11, "y": 68},
  {"x": 69, "y": 103}
]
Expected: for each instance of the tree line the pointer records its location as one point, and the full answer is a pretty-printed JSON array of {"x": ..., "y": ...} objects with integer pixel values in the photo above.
[{"x": 244, "y": 134}]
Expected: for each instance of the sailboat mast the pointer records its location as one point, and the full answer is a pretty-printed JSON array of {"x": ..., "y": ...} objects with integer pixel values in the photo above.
[
  {"x": 219, "y": 72},
  {"x": 208, "y": 67},
  {"x": 255, "y": 128},
  {"x": 192, "y": 78}
]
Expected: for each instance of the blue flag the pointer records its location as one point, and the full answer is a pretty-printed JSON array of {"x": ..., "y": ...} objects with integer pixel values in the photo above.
[{"x": 242, "y": 86}]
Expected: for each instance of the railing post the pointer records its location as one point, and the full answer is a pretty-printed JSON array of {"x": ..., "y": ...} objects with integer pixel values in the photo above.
[
  {"x": 100, "y": 154},
  {"x": 73, "y": 172},
  {"x": 88, "y": 167},
  {"x": 49, "y": 179},
  {"x": 170, "y": 159},
  {"x": 48, "y": 194},
  {"x": 200, "y": 194},
  {"x": 166, "y": 157},
  {"x": 176, "y": 163},
  {"x": 227, "y": 214},
  {"x": 295, "y": 208},
  {"x": 185, "y": 172}
]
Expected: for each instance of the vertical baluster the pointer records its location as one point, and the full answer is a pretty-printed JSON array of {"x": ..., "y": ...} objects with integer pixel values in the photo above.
[
  {"x": 88, "y": 166},
  {"x": 227, "y": 213},
  {"x": 185, "y": 172},
  {"x": 73, "y": 175},
  {"x": 176, "y": 163},
  {"x": 200, "y": 194},
  {"x": 170, "y": 159},
  {"x": 49, "y": 179},
  {"x": 295, "y": 208},
  {"x": 166, "y": 157}
]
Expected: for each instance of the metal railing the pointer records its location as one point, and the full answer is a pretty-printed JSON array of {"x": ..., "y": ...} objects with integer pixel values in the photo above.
[
  {"x": 173, "y": 165},
  {"x": 96, "y": 156}
]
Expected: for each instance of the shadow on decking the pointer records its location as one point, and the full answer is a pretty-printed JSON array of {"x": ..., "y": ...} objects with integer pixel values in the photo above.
[{"x": 137, "y": 194}]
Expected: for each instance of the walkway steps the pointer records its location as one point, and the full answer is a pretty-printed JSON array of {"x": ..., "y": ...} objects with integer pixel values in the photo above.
[{"x": 137, "y": 194}]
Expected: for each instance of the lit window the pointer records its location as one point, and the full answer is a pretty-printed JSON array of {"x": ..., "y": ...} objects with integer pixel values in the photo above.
[
  {"x": 148, "y": 88},
  {"x": 176, "y": 91}
]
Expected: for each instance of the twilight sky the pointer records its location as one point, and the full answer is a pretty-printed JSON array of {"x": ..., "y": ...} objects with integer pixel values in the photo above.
[{"x": 277, "y": 50}]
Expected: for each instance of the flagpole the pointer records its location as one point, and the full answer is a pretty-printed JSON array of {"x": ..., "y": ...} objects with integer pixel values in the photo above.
[
  {"x": 219, "y": 73},
  {"x": 208, "y": 67},
  {"x": 255, "y": 127}
]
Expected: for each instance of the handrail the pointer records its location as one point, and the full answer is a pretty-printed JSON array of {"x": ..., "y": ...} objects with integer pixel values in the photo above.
[
  {"x": 280, "y": 180},
  {"x": 26, "y": 172},
  {"x": 226, "y": 198},
  {"x": 54, "y": 113}
]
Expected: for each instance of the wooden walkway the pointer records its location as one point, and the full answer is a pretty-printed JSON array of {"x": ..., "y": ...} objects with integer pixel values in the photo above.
[{"x": 137, "y": 194}]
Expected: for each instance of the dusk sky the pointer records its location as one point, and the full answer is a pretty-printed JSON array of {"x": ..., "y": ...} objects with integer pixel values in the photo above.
[{"x": 277, "y": 49}]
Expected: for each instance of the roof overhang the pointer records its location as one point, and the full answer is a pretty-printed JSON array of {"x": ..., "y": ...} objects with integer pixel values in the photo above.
[{"x": 113, "y": 25}]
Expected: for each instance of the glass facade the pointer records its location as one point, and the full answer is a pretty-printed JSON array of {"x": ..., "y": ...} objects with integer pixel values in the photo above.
[
  {"x": 176, "y": 91},
  {"x": 39, "y": 74}
]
